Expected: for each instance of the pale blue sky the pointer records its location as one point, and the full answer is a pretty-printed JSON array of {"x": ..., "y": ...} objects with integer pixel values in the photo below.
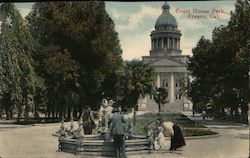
[{"x": 135, "y": 20}]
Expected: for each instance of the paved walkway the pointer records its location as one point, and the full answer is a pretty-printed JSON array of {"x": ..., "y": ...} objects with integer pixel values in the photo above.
[{"x": 37, "y": 142}]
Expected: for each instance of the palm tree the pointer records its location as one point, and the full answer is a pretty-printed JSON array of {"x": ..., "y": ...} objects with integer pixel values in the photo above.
[
  {"x": 137, "y": 81},
  {"x": 160, "y": 95}
]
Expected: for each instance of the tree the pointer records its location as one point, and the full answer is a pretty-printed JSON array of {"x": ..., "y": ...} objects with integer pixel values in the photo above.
[
  {"x": 18, "y": 77},
  {"x": 136, "y": 81},
  {"x": 220, "y": 67},
  {"x": 87, "y": 32},
  {"x": 62, "y": 81},
  {"x": 200, "y": 69},
  {"x": 160, "y": 95}
]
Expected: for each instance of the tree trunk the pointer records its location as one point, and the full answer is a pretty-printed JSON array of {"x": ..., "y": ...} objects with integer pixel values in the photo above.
[
  {"x": 26, "y": 112},
  {"x": 222, "y": 112},
  {"x": 159, "y": 107},
  {"x": 7, "y": 113},
  {"x": 75, "y": 113},
  {"x": 53, "y": 113},
  {"x": 69, "y": 112},
  {"x": 134, "y": 117},
  {"x": 19, "y": 112}
]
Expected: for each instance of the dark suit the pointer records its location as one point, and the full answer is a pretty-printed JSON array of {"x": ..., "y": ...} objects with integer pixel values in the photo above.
[{"x": 117, "y": 130}]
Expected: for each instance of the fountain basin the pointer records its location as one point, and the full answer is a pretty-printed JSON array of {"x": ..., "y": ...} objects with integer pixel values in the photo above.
[{"x": 96, "y": 146}]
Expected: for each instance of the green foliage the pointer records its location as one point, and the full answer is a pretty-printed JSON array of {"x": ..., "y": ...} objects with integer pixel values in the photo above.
[
  {"x": 190, "y": 127},
  {"x": 160, "y": 96},
  {"x": 136, "y": 81},
  {"x": 18, "y": 77},
  {"x": 184, "y": 86},
  {"x": 220, "y": 66},
  {"x": 87, "y": 32}
]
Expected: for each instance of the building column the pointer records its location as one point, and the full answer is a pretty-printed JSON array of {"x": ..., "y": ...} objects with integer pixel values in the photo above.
[
  {"x": 178, "y": 43},
  {"x": 152, "y": 44},
  {"x": 175, "y": 43},
  {"x": 168, "y": 42},
  {"x": 162, "y": 43},
  {"x": 157, "y": 46},
  {"x": 171, "y": 88},
  {"x": 158, "y": 80},
  {"x": 172, "y": 46}
]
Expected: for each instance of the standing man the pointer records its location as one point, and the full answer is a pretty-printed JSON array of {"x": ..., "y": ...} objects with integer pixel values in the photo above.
[{"x": 117, "y": 130}]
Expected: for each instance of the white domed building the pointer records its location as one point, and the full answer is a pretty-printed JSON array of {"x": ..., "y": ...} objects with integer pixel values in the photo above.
[{"x": 166, "y": 57}]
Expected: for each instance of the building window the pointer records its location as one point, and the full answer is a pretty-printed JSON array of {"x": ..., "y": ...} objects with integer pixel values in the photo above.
[
  {"x": 159, "y": 43},
  {"x": 155, "y": 44},
  {"x": 171, "y": 43},
  {"x": 165, "y": 42},
  {"x": 164, "y": 83},
  {"x": 175, "y": 43}
]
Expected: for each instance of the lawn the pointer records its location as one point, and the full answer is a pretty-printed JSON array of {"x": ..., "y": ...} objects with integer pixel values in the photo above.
[{"x": 190, "y": 127}]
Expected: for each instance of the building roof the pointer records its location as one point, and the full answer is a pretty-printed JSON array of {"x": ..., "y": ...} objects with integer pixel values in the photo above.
[
  {"x": 167, "y": 61},
  {"x": 166, "y": 18}
]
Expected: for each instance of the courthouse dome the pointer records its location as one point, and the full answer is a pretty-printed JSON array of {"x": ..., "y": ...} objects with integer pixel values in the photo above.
[{"x": 166, "y": 18}]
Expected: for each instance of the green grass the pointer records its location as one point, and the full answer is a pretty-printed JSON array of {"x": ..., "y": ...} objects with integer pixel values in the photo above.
[
  {"x": 190, "y": 127},
  {"x": 197, "y": 132}
]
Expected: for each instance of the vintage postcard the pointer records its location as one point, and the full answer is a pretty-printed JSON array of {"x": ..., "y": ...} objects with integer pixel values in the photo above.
[{"x": 136, "y": 79}]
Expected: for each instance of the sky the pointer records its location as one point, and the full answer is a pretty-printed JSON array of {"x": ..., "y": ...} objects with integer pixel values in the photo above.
[{"x": 134, "y": 22}]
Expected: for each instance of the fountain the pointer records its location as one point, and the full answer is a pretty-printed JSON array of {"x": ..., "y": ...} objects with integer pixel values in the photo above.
[{"x": 99, "y": 144}]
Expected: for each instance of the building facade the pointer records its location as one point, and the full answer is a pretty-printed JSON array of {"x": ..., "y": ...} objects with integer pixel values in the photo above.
[{"x": 166, "y": 56}]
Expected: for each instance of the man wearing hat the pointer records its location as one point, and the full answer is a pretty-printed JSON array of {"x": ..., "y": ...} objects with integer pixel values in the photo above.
[{"x": 117, "y": 130}]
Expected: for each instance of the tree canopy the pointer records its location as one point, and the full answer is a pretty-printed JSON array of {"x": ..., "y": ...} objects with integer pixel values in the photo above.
[
  {"x": 19, "y": 81},
  {"x": 220, "y": 66},
  {"x": 77, "y": 52}
]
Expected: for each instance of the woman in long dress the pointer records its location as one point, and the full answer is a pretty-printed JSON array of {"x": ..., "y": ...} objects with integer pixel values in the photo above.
[{"x": 177, "y": 139}]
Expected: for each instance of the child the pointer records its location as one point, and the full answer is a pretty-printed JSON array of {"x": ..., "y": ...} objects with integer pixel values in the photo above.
[{"x": 160, "y": 139}]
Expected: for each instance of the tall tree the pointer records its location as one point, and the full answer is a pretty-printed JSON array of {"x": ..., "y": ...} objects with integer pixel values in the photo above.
[
  {"x": 200, "y": 68},
  {"x": 87, "y": 32},
  {"x": 220, "y": 67},
  {"x": 18, "y": 77},
  {"x": 136, "y": 81}
]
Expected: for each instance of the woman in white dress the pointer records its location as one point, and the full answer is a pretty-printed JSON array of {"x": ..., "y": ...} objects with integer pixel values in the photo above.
[{"x": 160, "y": 139}]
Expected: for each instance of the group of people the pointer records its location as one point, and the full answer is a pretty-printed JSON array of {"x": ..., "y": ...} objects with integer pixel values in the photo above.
[
  {"x": 171, "y": 129},
  {"x": 116, "y": 121},
  {"x": 104, "y": 116}
]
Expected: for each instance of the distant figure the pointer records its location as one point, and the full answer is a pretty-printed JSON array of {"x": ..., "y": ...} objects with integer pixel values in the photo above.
[
  {"x": 117, "y": 130},
  {"x": 88, "y": 119},
  {"x": 204, "y": 114}
]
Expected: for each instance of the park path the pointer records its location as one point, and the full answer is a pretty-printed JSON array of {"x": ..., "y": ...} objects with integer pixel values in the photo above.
[{"x": 37, "y": 142}]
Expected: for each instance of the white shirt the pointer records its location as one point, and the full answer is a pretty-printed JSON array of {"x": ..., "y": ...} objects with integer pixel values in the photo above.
[{"x": 168, "y": 126}]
